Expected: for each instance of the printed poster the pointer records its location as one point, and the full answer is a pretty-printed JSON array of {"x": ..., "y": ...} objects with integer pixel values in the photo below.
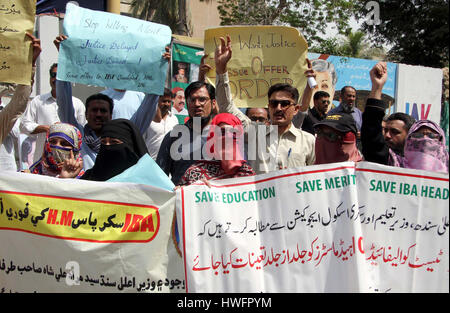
[
  {"x": 262, "y": 56},
  {"x": 327, "y": 228},
  {"x": 111, "y": 50},
  {"x": 335, "y": 72},
  {"x": 16, "y": 19},
  {"x": 186, "y": 58}
]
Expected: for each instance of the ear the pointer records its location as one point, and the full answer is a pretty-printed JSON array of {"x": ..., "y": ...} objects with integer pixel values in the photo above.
[{"x": 296, "y": 109}]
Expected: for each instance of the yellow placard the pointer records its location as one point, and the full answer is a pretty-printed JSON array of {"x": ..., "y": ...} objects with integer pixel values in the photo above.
[
  {"x": 16, "y": 19},
  {"x": 261, "y": 57},
  {"x": 78, "y": 219}
]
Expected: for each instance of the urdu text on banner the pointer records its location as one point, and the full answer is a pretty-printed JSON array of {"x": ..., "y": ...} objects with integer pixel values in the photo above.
[
  {"x": 327, "y": 228},
  {"x": 61, "y": 235},
  {"x": 16, "y": 19},
  {"x": 110, "y": 50}
]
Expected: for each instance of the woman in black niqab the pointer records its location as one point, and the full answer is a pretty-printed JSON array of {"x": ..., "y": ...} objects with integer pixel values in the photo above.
[{"x": 122, "y": 147}]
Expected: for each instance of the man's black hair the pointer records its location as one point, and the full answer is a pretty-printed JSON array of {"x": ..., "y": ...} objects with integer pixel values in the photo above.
[
  {"x": 284, "y": 87},
  {"x": 405, "y": 118},
  {"x": 194, "y": 86},
  {"x": 345, "y": 87},
  {"x": 52, "y": 67},
  {"x": 168, "y": 93},
  {"x": 321, "y": 94}
]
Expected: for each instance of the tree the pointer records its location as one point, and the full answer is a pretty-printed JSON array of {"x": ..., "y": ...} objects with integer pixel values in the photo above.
[
  {"x": 311, "y": 17},
  {"x": 354, "y": 44},
  {"x": 172, "y": 13},
  {"x": 417, "y": 30}
]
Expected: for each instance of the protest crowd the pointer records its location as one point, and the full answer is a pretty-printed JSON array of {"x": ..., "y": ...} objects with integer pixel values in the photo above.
[
  {"x": 110, "y": 132},
  {"x": 89, "y": 138}
]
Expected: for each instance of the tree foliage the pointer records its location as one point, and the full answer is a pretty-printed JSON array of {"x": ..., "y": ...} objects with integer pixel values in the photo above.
[
  {"x": 417, "y": 30},
  {"x": 354, "y": 44},
  {"x": 172, "y": 13},
  {"x": 311, "y": 17}
]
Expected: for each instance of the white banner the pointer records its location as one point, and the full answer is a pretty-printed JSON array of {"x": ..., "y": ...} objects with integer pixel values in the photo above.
[
  {"x": 63, "y": 235},
  {"x": 328, "y": 228},
  {"x": 419, "y": 91}
]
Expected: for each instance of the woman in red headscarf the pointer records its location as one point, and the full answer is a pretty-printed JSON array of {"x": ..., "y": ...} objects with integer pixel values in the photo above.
[{"x": 225, "y": 148}]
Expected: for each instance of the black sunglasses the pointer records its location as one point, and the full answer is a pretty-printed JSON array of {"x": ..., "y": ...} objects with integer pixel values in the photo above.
[
  {"x": 284, "y": 103},
  {"x": 53, "y": 74}
]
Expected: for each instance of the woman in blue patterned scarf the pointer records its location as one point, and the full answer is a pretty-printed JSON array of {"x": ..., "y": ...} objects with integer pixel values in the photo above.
[{"x": 61, "y": 150}]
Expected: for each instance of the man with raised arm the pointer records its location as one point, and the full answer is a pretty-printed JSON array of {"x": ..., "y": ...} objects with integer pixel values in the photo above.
[{"x": 384, "y": 146}]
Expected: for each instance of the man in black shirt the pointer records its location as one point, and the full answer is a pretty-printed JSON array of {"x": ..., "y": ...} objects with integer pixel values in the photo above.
[{"x": 318, "y": 112}]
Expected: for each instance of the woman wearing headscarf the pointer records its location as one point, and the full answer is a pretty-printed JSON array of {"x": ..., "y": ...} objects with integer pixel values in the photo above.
[
  {"x": 121, "y": 147},
  {"x": 224, "y": 144},
  {"x": 62, "y": 144},
  {"x": 425, "y": 148},
  {"x": 336, "y": 139}
]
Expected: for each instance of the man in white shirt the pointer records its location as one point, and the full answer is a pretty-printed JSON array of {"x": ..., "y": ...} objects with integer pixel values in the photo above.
[
  {"x": 163, "y": 122},
  {"x": 284, "y": 146},
  {"x": 43, "y": 112}
]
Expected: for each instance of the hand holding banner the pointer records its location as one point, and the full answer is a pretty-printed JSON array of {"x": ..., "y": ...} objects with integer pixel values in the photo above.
[{"x": 325, "y": 228}]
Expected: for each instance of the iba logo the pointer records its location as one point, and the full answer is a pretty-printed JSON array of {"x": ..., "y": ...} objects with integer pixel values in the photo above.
[{"x": 78, "y": 219}]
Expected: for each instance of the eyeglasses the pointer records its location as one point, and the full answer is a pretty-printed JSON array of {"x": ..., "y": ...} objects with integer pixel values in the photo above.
[
  {"x": 325, "y": 101},
  {"x": 284, "y": 103},
  {"x": 201, "y": 100},
  {"x": 430, "y": 135},
  {"x": 330, "y": 136},
  {"x": 166, "y": 101},
  {"x": 52, "y": 74}
]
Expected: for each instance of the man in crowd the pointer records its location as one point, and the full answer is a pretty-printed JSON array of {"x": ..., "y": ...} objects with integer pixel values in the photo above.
[
  {"x": 258, "y": 115},
  {"x": 183, "y": 146},
  {"x": 347, "y": 105},
  {"x": 317, "y": 113},
  {"x": 43, "y": 112},
  {"x": 163, "y": 122},
  {"x": 396, "y": 129},
  {"x": 292, "y": 147}
]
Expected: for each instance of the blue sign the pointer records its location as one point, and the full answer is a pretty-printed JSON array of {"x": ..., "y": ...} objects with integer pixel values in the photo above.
[
  {"x": 355, "y": 72},
  {"x": 110, "y": 50}
]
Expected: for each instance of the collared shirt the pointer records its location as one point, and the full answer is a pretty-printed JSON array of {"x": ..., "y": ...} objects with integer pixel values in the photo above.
[
  {"x": 155, "y": 133},
  {"x": 126, "y": 103},
  {"x": 43, "y": 110},
  {"x": 182, "y": 112},
  {"x": 293, "y": 148},
  {"x": 356, "y": 113}
]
